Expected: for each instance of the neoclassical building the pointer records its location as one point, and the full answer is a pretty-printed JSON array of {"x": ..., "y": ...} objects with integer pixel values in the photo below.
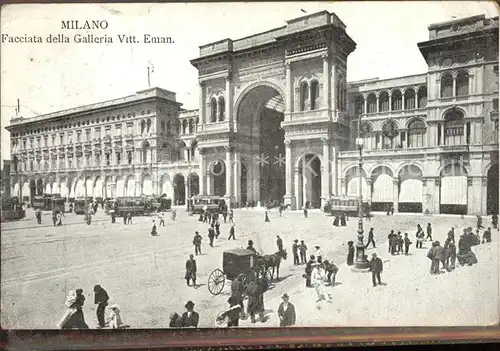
[{"x": 277, "y": 120}]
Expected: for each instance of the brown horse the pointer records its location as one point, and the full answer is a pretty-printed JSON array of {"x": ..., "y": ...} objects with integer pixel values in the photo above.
[{"x": 272, "y": 261}]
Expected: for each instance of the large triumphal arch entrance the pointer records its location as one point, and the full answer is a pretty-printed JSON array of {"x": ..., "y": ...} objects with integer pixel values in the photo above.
[{"x": 273, "y": 113}]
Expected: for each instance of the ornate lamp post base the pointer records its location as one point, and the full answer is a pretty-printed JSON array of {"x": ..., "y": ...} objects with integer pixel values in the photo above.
[{"x": 361, "y": 264}]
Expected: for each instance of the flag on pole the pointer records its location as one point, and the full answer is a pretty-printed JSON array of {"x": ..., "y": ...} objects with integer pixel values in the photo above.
[{"x": 18, "y": 106}]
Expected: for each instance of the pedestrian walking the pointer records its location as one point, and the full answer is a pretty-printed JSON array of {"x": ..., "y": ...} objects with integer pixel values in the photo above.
[
  {"x": 38, "y": 215},
  {"x": 231, "y": 233},
  {"x": 211, "y": 236},
  {"x": 174, "y": 215},
  {"x": 420, "y": 236},
  {"x": 73, "y": 317},
  {"x": 308, "y": 271},
  {"x": 303, "y": 252},
  {"x": 101, "y": 300},
  {"x": 231, "y": 216},
  {"x": 400, "y": 242},
  {"x": 190, "y": 318},
  {"x": 318, "y": 279},
  {"x": 197, "y": 243},
  {"x": 54, "y": 217},
  {"x": 191, "y": 271},
  {"x": 295, "y": 251},
  {"x": 281, "y": 210},
  {"x": 407, "y": 243},
  {"x": 350, "y": 253},
  {"x": 59, "y": 219},
  {"x": 336, "y": 220},
  {"x": 376, "y": 267},
  {"x": 479, "y": 222},
  {"x": 370, "y": 239},
  {"x": 305, "y": 212},
  {"x": 319, "y": 254},
  {"x": 217, "y": 229},
  {"x": 266, "y": 217},
  {"x": 162, "y": 220},
  {"x": 429, "y": 232},
  {"x": 129, "y": 218},
  {"x": 343, "y": 221},
  {"x": 451, "y": 233},
  {"x": 89, "y": 218},
  {"x": 125, "y": 218},
  {"x": 279, "y": 243},
  {"x": 494, "y": 221},
  {"x": 286, "y": 312}
]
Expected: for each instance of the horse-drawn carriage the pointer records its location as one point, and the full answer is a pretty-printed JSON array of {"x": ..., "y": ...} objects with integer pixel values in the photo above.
[{"x": 241, "y": 264}]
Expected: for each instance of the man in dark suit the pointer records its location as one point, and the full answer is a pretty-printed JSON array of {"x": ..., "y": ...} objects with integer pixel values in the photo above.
[
  {"x": 279, "y": 242},
  {"x": 231, "y": 233},
  {"x": 190, "y": 318},
  {"x": 286, "y": 312},
  {"x": 191, "y": 270},
  {"x": 101, "y": 300},
  {"x": 370, "y": 239},
  {"x": 376, "y": 267},
  {"x": 295, "y": 251}
]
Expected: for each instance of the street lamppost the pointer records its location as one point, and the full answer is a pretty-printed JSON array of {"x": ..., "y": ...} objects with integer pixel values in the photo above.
[{"x": 361, "y": 260}]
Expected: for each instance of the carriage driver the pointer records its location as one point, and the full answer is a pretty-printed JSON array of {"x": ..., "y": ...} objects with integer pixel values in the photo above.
[{"x": 250, "y": 246}]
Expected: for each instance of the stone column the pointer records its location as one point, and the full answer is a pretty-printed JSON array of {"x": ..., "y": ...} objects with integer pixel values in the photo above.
[
  {"x": 325, "y": 169},
  {"x": 237, "y": 177},
  {"x": 326, "y": 82},
  {"x": 186, "y": 192},
  {"x": 229, "y": 172},
  {"x": 454, "y": 85},
  {"x": 403, "y": 103},
  {"x": 333, "y": 171},
  {"x": 484, "y": 194},
  {"x": 334, "y": 87},
  {"x": 288, "y": 171},
  {"x": 202, "y": 103},
  {"x": 443, "y": 142},
  {"x": 390, "y": 101},
  {"x": 203, "y": 171},
  {"x": 395, "y": 182},
  {"x": 229, "y": 99},
  {"x": 298, "y": 188},
  {"x": 465, "y": 132},
  {"x": 289, "y": 92},
  {"x": 378, "y": 107},
  {"x": 365, "y": 101}
]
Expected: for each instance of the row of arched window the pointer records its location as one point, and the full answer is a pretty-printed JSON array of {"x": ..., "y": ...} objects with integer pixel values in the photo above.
[
  {"x": 217, "y": 109},
  {"x": 145, "y": 126},
  {"x": 309, "y": 95},
  {"x": 396, "y": 102},
  {"x": 184, "y": 127},
  {"x": 454, "y": 85}
]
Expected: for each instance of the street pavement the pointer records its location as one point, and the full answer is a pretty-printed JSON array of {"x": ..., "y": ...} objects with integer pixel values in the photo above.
[{"x": 145, "y": 274}]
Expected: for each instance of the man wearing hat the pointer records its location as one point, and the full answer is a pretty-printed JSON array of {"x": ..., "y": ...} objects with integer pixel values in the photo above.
[
  {"x": 303, "y": 252},
  {"x": 250, "y": 246},
  {"x": 308, "y": 271},
  {"x": 101, "y": 300},
  {"x": 197, "y": 243},
  {"x": 295, "y": 251},
  {"x": 231, "y": 233},
  {"x": 190, "y": 318},
  {"x": 191, "y": 270},
  {"x": 376, "y": 267},
  {"x": 286, "y": 312},
  {"x": 211, "y": 235},
  {"x": 279, "y": 242}
]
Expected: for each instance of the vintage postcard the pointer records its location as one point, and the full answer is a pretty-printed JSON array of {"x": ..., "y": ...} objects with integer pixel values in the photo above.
[{"x": 329, "y": 164}]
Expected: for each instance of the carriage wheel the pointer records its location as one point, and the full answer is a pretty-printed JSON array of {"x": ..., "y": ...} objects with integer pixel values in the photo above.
[{"x": 216, "y": 282}]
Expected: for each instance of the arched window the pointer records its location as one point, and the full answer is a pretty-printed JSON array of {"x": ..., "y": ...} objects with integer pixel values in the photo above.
[
  {"x": 409, "y": 99},
  {"x": 371, "y": 103},
  {"x": 222, "y": 109},
  {"x": 194, "y": 148},
  {"x": 314, "y": 95},
  {"x": 144, "y": 153},
  {"x": 422, "y": 97},
  {"x": 462, "y": 84},
  {"x": 344, "y": 96},
  {"x": 163, "y": 126},
  {"x": 304, "y": 94},
  {"x": 383, "y": 102},
  {"x": 184, "y": 126},
  {"x": 396, "y": 101},
  {"x": 213, "y": 110},
  {"x": 169, "y": 128},
  {"x": 416, "y": 133},
  {"x": 359, "y": 105},
  {"x": 447, "y": 85},
  {"x": 148, "y": 125},
  {"x": 177, "y": 127},
  {"x": 191, "y": 126},
  {"x": 454, "y": 127},
  {"x": 143, "y": 126}
]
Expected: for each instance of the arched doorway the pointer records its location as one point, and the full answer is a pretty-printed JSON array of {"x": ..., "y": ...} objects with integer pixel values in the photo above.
[
  {"x": 411, "y": 188},
  {"x": 259, "y": 117},
  {"x": 89, "y": 187},
  {"x": 453, "y": 190},
  {"x": 48, "y": 188},
  {"x": 194, "y": 184},
  {"x": 15, "y": 190},
  {"x": 166, "y": 186},
  {"x": 33, "y": 188},
  {"x": 63, "y": 188},
  {"x": 120, "y": 187},
  {"x": 98, "y": 187},
  {"x": 309, "y": 185},
  {"x": 56, "y": 188},
  {"x": 382, "y": 188},
  {"x": 492, "y": 190},
  {"x": 26, "y": 190},
  {"x": 352, "y": 183},
  {"x": 218, "y": 173},
  {"x": 130, "y": 186},
  {"x": 179, "y": 189},
  {"x": 80, "y": 188}
]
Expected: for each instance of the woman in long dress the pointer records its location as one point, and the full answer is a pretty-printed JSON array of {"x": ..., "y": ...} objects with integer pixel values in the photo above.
[
  {"x": 465, "y": 254},
  {"x": 73, "y": 316},
  {"x": 350, "y": 254}
]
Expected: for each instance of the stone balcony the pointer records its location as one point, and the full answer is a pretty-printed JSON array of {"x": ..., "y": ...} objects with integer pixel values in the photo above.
[
  {"x": 394, "y": 114},
  {"x": 213, "y": 127}
]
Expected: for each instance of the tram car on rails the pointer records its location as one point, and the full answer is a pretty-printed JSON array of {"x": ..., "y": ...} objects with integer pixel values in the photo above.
[
  {"x": 12, "y": 209},
  {"x": 345, "y": 204},
  {"x": 239, "y": 264},
  {"x": 49, "y": 202},
  {"x": 79, "y": 205},
  {"x": 201, "y": 203},
  {"x": 135, "y": 205}
]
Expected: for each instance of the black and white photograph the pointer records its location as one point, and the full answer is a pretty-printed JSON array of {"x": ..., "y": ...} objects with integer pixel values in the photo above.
[{"x": 249, "y": 165}]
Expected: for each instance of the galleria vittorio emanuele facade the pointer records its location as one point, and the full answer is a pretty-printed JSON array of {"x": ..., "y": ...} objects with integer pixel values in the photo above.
[{"x": 277, "y": 120}]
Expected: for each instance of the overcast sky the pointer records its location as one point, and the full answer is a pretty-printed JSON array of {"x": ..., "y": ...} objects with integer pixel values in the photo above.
[{"x": 51, "y": 77}]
